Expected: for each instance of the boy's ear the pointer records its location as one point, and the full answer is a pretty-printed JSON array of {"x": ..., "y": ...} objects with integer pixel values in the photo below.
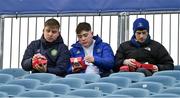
[{"x": 92, "y": 32}]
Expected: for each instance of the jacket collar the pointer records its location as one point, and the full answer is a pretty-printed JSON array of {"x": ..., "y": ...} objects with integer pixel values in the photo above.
[{"x": 137, "y": 44}]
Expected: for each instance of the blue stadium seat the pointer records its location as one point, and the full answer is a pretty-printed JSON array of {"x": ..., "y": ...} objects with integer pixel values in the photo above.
[
  {"x": 134, "y": 92},
  {"x": 43, "y": 77},
  {"x": 71, "y": 96},
  {"x": 117, "y": 96},
  {"x": 106, "y": 88},
  {"x": 57, "y": 89},
  {"x": 165, "y": 95},
  {"x": 177, "y": 84},
  {"x": 86, "y": 93},
  {"x": 3, "y": 95},
  {"x": 134, "y": 76},
  {"x": 88, "y": 77},
  {"x": 172, "y": 73},
  {"x": 37, "y": 94},
  {"x": 121, "y": 82},
  {"x": 27, "y": 83},
  {"x": 153, "y": 87},
  {"x": 177, "y": 67},
  {"x": 11, "y": 89},
  {"x": 74, "y": 83},
  {"x": 172, "y": 90},
  {"x": 16, "y": 72},
  {"x": 4, "y": 78},
  {"x": 167, "y": 81}
]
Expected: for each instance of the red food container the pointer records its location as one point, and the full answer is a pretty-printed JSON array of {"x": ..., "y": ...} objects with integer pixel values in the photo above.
[
  {"x": 39, "y": 60},
  {"x": 138, "y": 65},
  {"x": 78, "y": 61}
]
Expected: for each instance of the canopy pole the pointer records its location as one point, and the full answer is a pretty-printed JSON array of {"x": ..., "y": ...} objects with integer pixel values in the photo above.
[
  {"x": 1, "y": 41},
  {"x": 123, "y": 28}
]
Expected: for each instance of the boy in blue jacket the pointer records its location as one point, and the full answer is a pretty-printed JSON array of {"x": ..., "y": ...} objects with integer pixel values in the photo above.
[
  {"x": 97, "y": 55},
  {"x": 49, "y": 54}
]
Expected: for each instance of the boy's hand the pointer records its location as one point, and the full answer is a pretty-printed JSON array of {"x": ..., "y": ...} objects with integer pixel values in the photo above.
[
  {"x": 41, "y": 68},
  {"x": 89, "y": 59},
  {"x": 76, "y": 67},
  {"x": 129, "y": 62},
  {"x": 155, "y": 68}
]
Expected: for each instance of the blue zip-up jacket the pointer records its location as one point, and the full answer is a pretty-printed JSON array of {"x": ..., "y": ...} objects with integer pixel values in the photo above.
[
  {"x": 103, "y": 55},
  {"x": 57, "y": 55}
]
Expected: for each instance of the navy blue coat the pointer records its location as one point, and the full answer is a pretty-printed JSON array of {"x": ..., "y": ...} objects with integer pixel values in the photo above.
[
  {"x": 103, "y": 55},
  {"x": 57, "y": 54}
]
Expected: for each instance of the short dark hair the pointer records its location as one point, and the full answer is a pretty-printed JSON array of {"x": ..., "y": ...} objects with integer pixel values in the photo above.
[
  {"x": 83, "y": 26},
  {"x": 52, "y": 23}
]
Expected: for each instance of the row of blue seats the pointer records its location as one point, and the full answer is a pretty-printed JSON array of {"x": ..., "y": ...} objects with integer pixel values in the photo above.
[
  {"x": 122, "y": 79},
  {"x": 136, "y": 78},
  {"x": 18, "y": 72},
  {"x": 58, "y": 90}
]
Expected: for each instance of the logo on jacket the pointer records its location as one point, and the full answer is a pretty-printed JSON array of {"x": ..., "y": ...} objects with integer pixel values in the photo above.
[
  {"x": 78, "y": 52},
  {"x": 147, "y": 48},
  {"x": 54, "y": 52},
  {"x": 38, "y": 51},
  {"x": 98, "y": 50}
]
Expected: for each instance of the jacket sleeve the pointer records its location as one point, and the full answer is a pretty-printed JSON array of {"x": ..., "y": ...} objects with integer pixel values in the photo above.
[
  {"x": 27, "y": 58},
  {"x": 62, "y": 62},
  {"x": 119, "y": 58},
  {"x": 106, "y": 61},
  {"x": 69, "y": 68},
  {"x": 164, "y": 60}
]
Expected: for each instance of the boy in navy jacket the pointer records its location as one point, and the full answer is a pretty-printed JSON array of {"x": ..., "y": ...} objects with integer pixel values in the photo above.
[{"x": 51, "y": 48}]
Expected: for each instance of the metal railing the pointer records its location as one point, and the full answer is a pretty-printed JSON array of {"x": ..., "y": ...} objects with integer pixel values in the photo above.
[{"x": 114, "y": 28}]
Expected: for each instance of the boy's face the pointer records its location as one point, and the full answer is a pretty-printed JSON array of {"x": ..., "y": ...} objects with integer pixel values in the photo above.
[
  {"x": 141, "y": 35},
  {"x": 51, "y": 33},
  {"x": 85, "y": 38}
]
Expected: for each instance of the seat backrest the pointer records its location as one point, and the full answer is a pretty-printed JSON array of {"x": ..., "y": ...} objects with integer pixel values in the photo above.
[
  {"x": 177, "y": 67},
  {"x": 134, "y": 76},
  {"x": 70, "y": 96},
  {"x": 153, "y": 87},
  {"x": 134, "y": 92},
  {"x": 4, "y": 78},
  {"x": 177, "y": 84},
  {"x": 172, "y": 90},
  {"x": 12, "y": 90},
  {"x": 72, "y": 82},
  {"x": 16, "y": 72},
  {"x": 27, "y": 83},
  {"x": 37, "y": 93},
  {"x": 117, "y": 96},
  {"x": 3, "y": 95},
  {"x": 43, "y": 77},
  {"x": 88, "y": 77},
  {"x": 121, "y": 82},
  {"x": 172, "y": 73},
  {"x": 167, "y": 81},
  {"x": 164, "y": 95},
  {"x": 86, "y": 93},
  {"x": 55, "y": 88},
  {"x": 101, "y": 86}
]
